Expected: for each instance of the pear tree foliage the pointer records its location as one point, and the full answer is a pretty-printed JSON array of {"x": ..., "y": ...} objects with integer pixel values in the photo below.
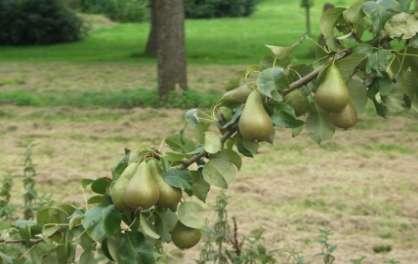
[{"x": 367, "y": 55}]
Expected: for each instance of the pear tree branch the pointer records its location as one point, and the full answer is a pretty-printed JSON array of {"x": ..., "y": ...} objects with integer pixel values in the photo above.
[
  {"x": 312, "y": 75},
  {"x": 20, "y": 241},
  {"x": 293, "y": 86}
]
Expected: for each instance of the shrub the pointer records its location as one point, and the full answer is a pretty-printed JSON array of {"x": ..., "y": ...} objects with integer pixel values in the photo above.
[
  {"x": 38, "y": 22},
  {"x": 118, "y": 10},
  {"x": 219, "y": 8}
]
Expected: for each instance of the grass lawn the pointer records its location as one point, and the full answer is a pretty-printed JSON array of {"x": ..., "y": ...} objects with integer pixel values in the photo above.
[{"x": 217, "y": 41}]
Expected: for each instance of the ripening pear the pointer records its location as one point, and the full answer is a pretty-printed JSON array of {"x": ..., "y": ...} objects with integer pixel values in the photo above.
[
  {"x": 142, "y": 190},
  {"x": 332, "y": 94},
  {"x": 169, "y": 196},
  {"x": 237, "y": 95},
  {"x": 298, "y": 101},
  {"x": 255, "y": 124},
  {"x": 346, "y": 118},
  {"x": 185, "y": 237},
  {"x": 117, "y": 190}
]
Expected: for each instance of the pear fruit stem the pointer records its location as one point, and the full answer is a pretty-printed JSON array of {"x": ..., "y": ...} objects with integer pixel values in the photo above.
[{"x": 293, "y": 86}]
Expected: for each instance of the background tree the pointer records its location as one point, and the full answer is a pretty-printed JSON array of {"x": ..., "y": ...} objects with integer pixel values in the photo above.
[
  {"x": 151, "y": 47},
  {"x": 171, "y": 45},
  {"x": 307, "y": 4}
]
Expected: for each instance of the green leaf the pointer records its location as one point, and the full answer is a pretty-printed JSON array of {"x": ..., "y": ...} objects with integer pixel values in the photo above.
[
  {"x": 219, "y": 172},
  {"x": 354, "y": 14},
  {"x": 166, "y": 220},
  {"x": 405, "y": 5},
  {"x": 175, "y": 157},
  {"x": 380, "y": 11},
  {"x": 270, "y": 82},
  {"x": 131, "y": 248},
  {"x": 121, "y": 165},
  {"x": 75, "y": 219},
  {"x": 191, "y": 214},
  {"x": 200, "y": 187},
  {"x": 147, "y": 228},
  {"x": 281, "y": 53},
  {"x": 87, "y": 258},
  {"x": 348, "y": 65},
  {"x": 379, "y": 61},
  {"x": 328, "y": 22},
  {"x": 50, "y": 230},
  {"x": 179, "y": 143},
  {"x": 86, "y": 182},
  {"x": 231, "y": 156},
  {"x": 26, "y": 228},
  {"x": 101, "y": 221},
  {"x": 247, "y": 148},
  {"x": 5, "y": 259},
  {"x": 51, "y": 215},
  {"x": 409, "y": 83},
  {"x": 318, "y": 126},
  {"x": 4, "y": 225},
  {"x": 100, "y": 185},
  {"x": 178, "y": 178},
  {"x": 96, "y": 199},
  {"x": 402, "y": 25},
  {"x": 212, "y": 142},
  {"x": 284, "y": 116},
  {"x": 358, "y": 94}
]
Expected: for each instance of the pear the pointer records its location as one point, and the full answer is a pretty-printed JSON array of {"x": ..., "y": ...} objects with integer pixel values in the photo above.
[
  {"x": 237, "y": 95},
  {"x": 346, "y": 118},
  {"x": 298, "y": 101},
  {"x": 117, "y": 190},
  {"x": 255, "y": 124},
  {"x": 169, "y": 196},
  {"x": 332, "y": 94},
  {"x": 185, "y": 237},
  {"x": 142, "y": 190}
]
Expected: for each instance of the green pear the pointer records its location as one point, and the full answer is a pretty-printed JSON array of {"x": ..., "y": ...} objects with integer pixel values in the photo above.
[
  {"x": 237, "y": 95},
  {"x": 142, "y": 190},
  {"x": 185, "y": 237},
  {"x": 298, "y": 101},
  {"x": 332, "y": 94},
  {"x": 117, "y": 190},
  {"x": 169, "y": 196},
  {"x": 346, "y": 118},
  {"x": 255, "y": 124}
]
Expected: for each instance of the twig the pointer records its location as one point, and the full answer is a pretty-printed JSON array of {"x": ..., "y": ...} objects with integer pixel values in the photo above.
[
  {"x": 20, "y": 241},
  {"x": 235, "y": 242},
  {"x": 293, "y": 86},
  {"x": 312, "y": 75}
]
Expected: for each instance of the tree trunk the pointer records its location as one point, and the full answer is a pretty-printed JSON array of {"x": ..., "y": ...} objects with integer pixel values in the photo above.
[
  {"x": 171, "y": 46},
  {"x": 151, "y": 47}
]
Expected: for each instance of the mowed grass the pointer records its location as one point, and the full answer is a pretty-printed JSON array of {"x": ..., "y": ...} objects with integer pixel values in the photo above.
[
  {"x": 218, "y": 41},
  {"x": 362, "y": 185}
]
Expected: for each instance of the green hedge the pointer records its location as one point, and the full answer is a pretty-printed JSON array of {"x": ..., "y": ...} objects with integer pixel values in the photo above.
[
  {"x": 38, "y": 22},
  {"x": 219, "y": 8},
  {"x": 118, "y": 10}
]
